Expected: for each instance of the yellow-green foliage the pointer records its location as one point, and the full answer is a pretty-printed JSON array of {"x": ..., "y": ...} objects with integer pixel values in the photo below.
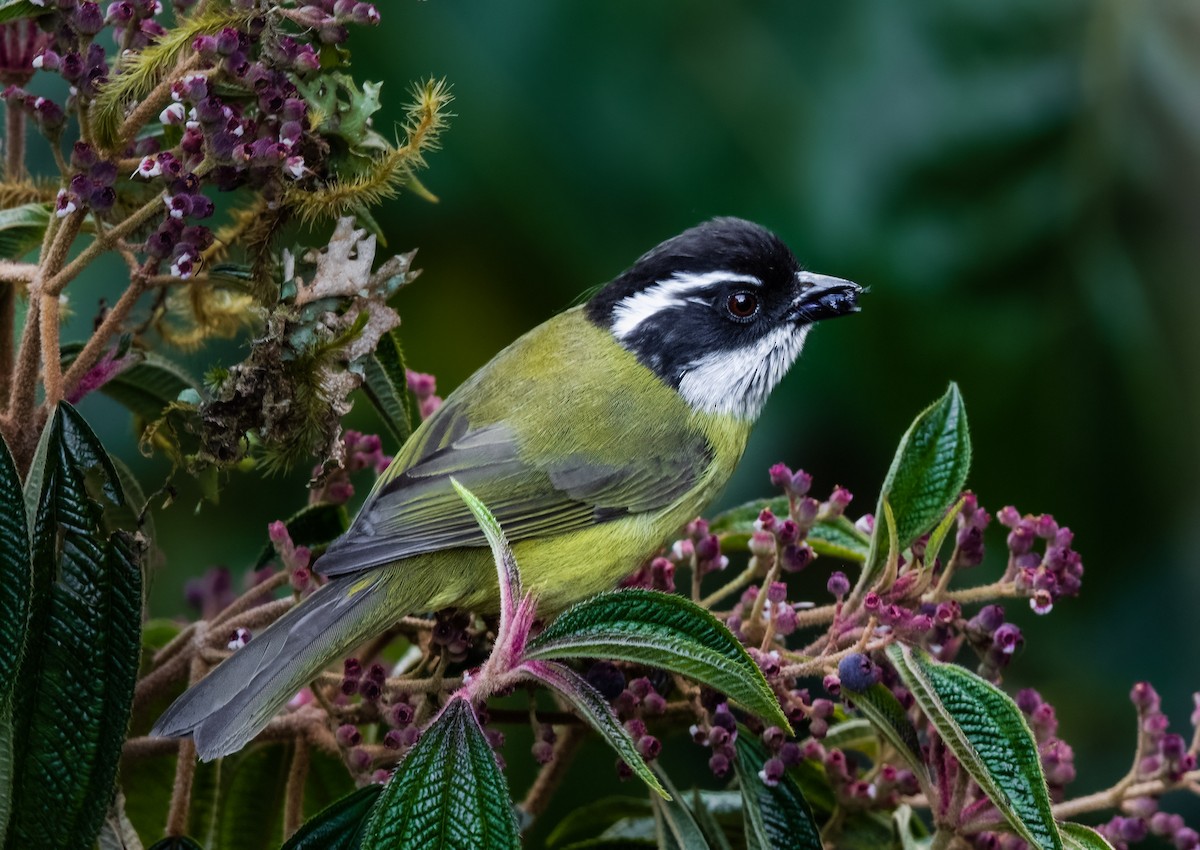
[
  {"x": 384, "y": 176},
  {"x": 147, "y": 68}
]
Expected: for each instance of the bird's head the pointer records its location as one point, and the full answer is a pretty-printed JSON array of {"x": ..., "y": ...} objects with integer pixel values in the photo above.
[{"x": 720, "y": 312}]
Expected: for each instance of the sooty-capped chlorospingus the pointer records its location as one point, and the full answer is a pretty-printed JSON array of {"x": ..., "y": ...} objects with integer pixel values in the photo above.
[{"x": 592, "y": 438}]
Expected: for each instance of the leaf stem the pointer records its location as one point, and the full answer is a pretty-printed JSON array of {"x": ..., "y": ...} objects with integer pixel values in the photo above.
[
  {"x": 93, "y": 349},
  {"x": 14, "y": 272},
  {"x": 8, "y": 319},
  {"x": 293, "y": 801},
  {"x": 740, "y": 581},
  {"x": 153, "y": 102},
  {"x": 14, "y": 134}
]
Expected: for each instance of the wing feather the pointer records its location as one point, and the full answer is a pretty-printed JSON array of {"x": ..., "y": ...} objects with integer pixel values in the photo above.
[{"x": 415, "y": 509}]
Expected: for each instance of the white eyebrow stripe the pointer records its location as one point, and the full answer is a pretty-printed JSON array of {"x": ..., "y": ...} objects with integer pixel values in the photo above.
[{"x": 630, "y": 312}]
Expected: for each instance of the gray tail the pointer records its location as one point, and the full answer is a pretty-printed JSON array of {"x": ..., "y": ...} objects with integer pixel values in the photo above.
[{"x": 232, "y": 704}]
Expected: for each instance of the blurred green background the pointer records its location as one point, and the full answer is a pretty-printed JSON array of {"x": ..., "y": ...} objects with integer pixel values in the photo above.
[{"x": 1016, "y": 183}]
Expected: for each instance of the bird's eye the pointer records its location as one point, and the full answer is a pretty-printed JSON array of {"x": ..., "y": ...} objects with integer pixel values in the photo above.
[{"x": 742, "y": 305}]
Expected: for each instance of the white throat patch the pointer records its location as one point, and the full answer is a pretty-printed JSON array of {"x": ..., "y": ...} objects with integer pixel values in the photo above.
[
  {"x": 673, "y": 292},
  {"x": 738, "y": 382}
]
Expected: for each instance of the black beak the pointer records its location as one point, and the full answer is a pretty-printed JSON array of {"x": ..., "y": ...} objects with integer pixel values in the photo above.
[{"x": 823, "y": 297}]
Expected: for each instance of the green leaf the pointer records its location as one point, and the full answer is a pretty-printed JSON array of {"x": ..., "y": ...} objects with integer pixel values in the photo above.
[
  {"x": 880, "y": 706},
  {"x": 72, "y": 706},
  {"x": 312, "y": 525},
  {"x": 1076, "y": 836},
  {"x": 938, "y": 535},
  {"x": 447, "y": 793},
  {"x": 175, "y": 842},
  {"x": 777, "y": 818},
  {"x": 662, "y": 630},
  {"x": 593, "y": 818},
  {"x": 6, "y": 769},
  {"x": 249, "y": 798},
  {"x": 675, "y": 824},
  {"x": 146, "y": 387},
  {"x": 909, "y": 828},
  {"x": 21, "y": 228},
  {"x": 708, "y": 822},
  {"x": 988, "y": 735},
  {"x": 857, "y": 734},
  {"x": 838, "y": 538},
  {"x": 339, "y": 826},
  {"x": 926, "y": 475},
  {"x": 591, "y": 705},
  {"x": 509, "y": 576},
  {"x": 385, "y": 381}
]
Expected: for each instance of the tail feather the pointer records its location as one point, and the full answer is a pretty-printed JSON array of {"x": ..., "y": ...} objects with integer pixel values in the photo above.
[{"x": 238, "y": 698}]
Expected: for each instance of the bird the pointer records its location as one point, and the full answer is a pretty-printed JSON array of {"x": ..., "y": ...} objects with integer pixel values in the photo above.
[{"x": 592, "y": 438}]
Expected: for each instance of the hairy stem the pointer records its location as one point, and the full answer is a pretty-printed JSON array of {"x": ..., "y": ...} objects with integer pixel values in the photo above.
[
  {"x": 153, "y": 103},
  {"x": 740, "y": 581},
  {"x": 14, "y": 136},
  {"x": 1107, "y": 799},
  {"x": 14, "y": 272},
  {"x": 8, "y": 318},
  {"x": 93, "y": 349},
  {"x": 293, "y": 801},
  {"x": 51, "y": 354}
]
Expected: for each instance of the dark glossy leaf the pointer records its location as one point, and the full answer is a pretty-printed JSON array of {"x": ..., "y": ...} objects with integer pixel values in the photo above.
[
  {"x": 662, "y": 630},
  {"x": 591, "y": 819},
  {"x": 926, "y": 476},
  {"x": 311, "y": 526},
  {"x": 988, "y": 735},
  {"x": 447, "y": 794},
  {"x": 7, "y": 766},
  {"x": 776, "y": 818},
  {"x": 676, "y": 825},
  {"x": 250, "y": 798},
  {"x": 175, "y": 842},
  {"x": 76, "y": 682},
  {"x": 385, "y": 381},
  {"x": 339, "y": 826},
  {"x": 15, "y": 576},
  {"x": 868, "y": 831},
  {"x": 21, "y": 228},
  {"x": 591, "y": 705},
  {"x": 707, "y": 822}
]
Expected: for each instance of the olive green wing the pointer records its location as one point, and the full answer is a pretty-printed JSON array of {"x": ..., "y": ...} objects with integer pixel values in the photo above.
[{"x": 416, "y": 509}]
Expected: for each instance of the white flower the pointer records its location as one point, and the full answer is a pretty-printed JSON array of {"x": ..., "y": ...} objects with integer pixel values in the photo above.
[
  {"x": 295, "y": 167},
  {"x": 147, "y": 168},
  {"x": 173, "y": 114},
  {"x": 65, "y": 205}
]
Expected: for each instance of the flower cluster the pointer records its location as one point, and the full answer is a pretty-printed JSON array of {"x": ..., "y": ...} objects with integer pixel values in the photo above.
[
  {"x": 1058, "y": 759},
  {"x": 424, "y": 390},
  {"x": 360, "y": 452},
  {"x": 1046, "y": 576},
  {"x": 297, "y": 560}
]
